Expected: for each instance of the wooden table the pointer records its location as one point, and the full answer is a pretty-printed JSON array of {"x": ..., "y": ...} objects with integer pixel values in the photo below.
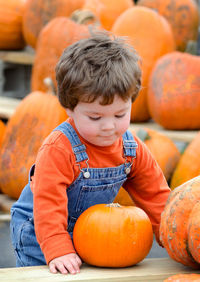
[
  {"x": 23, "y": 57},
  {"x": 148, "y": 270}
]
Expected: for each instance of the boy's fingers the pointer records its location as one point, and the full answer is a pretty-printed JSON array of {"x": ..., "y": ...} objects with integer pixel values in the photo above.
[
  {"x": 71, "y": 267},
  {"x": 78, "y": 261},
  {"x": 52, "y": 268},
  {"x": 60, "y": 267}
]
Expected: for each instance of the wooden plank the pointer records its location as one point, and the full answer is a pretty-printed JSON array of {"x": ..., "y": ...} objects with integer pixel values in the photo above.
[
  {"x": 8, "y": 106},
  {"x": 176, "y": 135},
  {"x": 23, "y": 57},
  {"x": 5, "y": 217},
  {"x": 6, "y": 203},
  {"x": 148, "y": 270}
]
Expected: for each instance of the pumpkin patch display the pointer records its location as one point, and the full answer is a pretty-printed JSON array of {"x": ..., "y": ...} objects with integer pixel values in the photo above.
[
  {"x": 107, "y": 11},
  {"x": 34, "y": 118},
  {"x": 188, "y": 166},
  {"x": 11, "y": 35},
  {"x": 179, "y": 227},
  {"x": 173, "y": 91},
  {"x": 183, "y": 16},
  {"x": 39, "y": 12},
  {"x": 110, "y": 235},
  {"x": 151, "y": 35},
  {"x": 53, "y": 39}
]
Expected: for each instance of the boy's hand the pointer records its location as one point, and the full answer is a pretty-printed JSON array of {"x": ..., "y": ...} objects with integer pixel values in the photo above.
[{"x": 69, "y": 263}]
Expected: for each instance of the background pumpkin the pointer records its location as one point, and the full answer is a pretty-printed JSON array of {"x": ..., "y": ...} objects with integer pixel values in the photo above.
[
  {"x": 162, "y": 148},
  {"x": 183, "y": 277},
  {"x": 112, "y": 235},
  {"x": 183, "y": 15},
  {"x": 11, "y": 36},
  {"x": 123, "y": 198},
  {"x": 173, "y": 91},
  {"x": 175, "y": 220},
  {"x": 53, "y": 39},
  {"x": 144, "y": 27},
  {"x": 35, "y": 117},
  {"x": 2, "y": 131},
  {"x": 39, "y": 12},
  {"x": 107, "y": 11},
  {"x": 188, "y": 166}
]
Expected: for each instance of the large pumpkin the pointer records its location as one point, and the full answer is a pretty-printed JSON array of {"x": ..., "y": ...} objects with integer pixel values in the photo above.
[
  {"x": 151, "y": 36},
  {"x": 35, "y": 117},
  {"x": 183, "y": 16},
  {"x": 39, "y": 12},
  {"x": 107, "y": 11},
  {"x": 173, "y": 91},
  {"x": 11, "y": 36},
  {"x": 188, "y": 166},
  {"x": 112, "y": 235},
  {"x": 54, "y": 38},
  {"x": 179, "y": 227}
]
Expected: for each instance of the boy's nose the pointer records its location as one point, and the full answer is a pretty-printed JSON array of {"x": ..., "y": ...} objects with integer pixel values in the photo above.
[{"x": 108, "y": 125}]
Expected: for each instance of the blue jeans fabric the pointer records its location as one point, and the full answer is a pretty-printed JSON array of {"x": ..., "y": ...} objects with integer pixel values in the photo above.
[{"x": 101, "y": 186}]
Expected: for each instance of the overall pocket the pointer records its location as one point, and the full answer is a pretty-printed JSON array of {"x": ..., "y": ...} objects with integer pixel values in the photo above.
[{"x": 100, "y": 194}]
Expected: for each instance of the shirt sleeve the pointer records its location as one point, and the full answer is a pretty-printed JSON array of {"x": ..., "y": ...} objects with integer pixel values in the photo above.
[
  {"x": 53, "y": 174},
  {"x": 147, "y": 186}
]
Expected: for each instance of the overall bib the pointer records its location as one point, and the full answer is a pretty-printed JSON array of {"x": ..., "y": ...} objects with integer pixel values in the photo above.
[{"x": 92, "y": 186}]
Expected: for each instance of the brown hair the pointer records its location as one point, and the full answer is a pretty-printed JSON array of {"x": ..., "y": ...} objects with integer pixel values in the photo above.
[{"x": 99, "y": 66}]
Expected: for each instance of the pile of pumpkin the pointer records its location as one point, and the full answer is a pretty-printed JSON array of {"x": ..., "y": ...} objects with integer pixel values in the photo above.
[{"x": 160, "y": 30}]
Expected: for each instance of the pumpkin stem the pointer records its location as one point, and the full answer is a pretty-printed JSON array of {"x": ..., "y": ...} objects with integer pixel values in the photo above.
[
  {"x": 84, "y": 17},
  {"x": 191, "y": 47},
  {"x": 114, "y": 205},
  {"x": 50, "y": 86},
  {"x": 143, "y": 134}
]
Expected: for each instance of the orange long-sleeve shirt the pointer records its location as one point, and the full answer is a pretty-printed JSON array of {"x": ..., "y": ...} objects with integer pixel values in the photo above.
[{"x": 56, "y": 169}]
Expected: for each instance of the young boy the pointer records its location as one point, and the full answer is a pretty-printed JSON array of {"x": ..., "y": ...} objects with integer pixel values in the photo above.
[{"x": 86, "y": 159}]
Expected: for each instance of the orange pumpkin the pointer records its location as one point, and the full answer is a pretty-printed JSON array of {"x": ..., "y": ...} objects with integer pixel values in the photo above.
[
  {"x": 123, "y": 198},
  {"x": 173, "y": 91},
  {"x": 107, "y": 11},
  {"x": 151, "y": 36},
  {"x": 183, "y": 277},
  {"x": 54, "y": 38},
  {"x": 162, "y": 148},
  {"x": 177, "y": 226},
  {"x": 2, "y": 131},
  {"x": 188, "y": 166},
  {"x": 35, "y": 117},
  {"x": 183, "y": 16},
  {"x": 112, "y": 235},
  {"x": 11, "y": 36},
  {"x": 39, "y": 12}
]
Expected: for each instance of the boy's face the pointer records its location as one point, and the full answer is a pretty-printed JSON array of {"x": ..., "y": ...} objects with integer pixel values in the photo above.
[{"x": 102, "y": 125}]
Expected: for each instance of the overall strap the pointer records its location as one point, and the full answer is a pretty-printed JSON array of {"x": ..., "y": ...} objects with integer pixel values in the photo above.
[
  {"x": 130, "y": 145},
  {"x": 79, "y": 149}
]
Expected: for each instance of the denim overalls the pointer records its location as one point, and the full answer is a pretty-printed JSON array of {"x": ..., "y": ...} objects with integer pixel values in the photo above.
[{"x": 92, "y": 186}]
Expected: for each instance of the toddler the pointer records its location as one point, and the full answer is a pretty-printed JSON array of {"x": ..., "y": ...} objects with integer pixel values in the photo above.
[{"x": 87, "y": 158}]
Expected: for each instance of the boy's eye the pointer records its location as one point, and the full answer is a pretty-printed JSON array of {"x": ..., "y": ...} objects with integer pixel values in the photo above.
[
  {"x": 120, "y": 116},
  {"x": 94, "y": 118}
]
